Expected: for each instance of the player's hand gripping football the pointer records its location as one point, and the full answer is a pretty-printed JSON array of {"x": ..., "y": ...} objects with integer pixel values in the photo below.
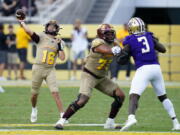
[
  {"x": 116, "y": 50},
  {"x": 20, "y": 15}
]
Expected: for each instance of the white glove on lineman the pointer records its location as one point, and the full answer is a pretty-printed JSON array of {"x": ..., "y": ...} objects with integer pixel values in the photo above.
[{"x": 116, "y": 50}]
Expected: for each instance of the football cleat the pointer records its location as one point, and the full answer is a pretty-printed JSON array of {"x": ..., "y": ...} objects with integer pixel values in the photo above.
[
  {"x": 34, "y": 115},
  {"x": 110, "y": 124},
  {"x": 176, "y": 125},
  {"x": 59, "y": 124},
  {"x": 59, "y": 127},
  {"x": 130, "y": 122},
  {"x": 61, "y": 116}
]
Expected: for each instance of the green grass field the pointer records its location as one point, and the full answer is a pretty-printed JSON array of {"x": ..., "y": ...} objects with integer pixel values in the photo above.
[{"x": 15, "y": 108}]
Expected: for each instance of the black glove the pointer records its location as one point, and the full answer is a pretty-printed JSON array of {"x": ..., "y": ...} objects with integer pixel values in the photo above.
[
  {"x": 122, "y": 58},
  {"x": 60, "y": 48}
]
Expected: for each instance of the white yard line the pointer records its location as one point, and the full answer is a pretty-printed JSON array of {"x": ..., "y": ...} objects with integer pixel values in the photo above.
[
  {"x": 47, "y": 125},
  {"x": 68, "y": 83}
]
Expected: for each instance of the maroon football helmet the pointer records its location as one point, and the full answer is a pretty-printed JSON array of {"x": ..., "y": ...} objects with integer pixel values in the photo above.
[{"x": 106, "y": 32}]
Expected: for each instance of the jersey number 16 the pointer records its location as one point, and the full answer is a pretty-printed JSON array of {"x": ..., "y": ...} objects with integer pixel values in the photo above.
[
  {"x": 144, "y": 41},
  {"x": 48, "y": 57}
]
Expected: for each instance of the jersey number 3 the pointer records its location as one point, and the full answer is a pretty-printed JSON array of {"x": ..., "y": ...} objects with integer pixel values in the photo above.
[
  {"x": 48, "y": 57},
  {"x": 144, "y": 41}
]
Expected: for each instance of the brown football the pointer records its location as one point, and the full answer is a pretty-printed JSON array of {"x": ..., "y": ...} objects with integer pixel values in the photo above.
[{"x": 20, "y": 14}]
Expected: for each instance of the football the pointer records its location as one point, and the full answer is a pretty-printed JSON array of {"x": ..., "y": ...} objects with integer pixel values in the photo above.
[{"x": 20, "y": 14}]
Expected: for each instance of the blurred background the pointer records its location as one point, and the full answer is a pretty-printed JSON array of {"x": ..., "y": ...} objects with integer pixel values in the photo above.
[{"x": 79, "y": 20}]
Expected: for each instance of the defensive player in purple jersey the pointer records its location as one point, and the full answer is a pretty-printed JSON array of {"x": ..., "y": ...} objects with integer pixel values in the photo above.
[{"x": 142, "y": 46}]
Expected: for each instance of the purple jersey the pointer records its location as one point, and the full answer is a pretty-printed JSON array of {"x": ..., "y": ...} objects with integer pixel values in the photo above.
[{"x": 142, "y": 49}]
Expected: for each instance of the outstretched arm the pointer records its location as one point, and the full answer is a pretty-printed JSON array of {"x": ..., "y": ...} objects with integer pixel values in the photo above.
[
  {"x": 26, "y": 28},
  {"x": 21, "y": 16},
  {"x": 35, "y": 37},
  {"x": 104, "y": 49}
]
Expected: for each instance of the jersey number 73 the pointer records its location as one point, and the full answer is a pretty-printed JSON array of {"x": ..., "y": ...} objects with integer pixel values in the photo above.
[{"x": 103, "y": 64}]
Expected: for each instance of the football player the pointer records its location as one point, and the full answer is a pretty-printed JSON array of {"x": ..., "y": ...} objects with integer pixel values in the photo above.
[
  {"x": 94, "y": 75},
  {"x": 142, "y": 46},
  {"x": 49, "y": 47}
]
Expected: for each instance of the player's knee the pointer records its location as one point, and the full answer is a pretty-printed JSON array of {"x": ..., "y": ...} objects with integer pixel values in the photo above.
[
  {"x": 34, "y": 91},
  {"x": 119, "y": 95},
  {"x": 35, "y": 88},
  {"x": 80, "y": 102},
  {"x": 55, "y": 93},
  {"x": 35, "y": 95},
  {"x": 162, "y": 98},
  {"x": 54, "y": 90},
  {"x": 118, "y": 99}
]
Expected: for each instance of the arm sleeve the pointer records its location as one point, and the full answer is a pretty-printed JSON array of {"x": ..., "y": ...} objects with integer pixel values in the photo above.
[
  {"x": 97, "y": 42},
  {"x": 35, "y": 37},
  {"x": 126, "y": 41},
  {"x": 124, "y": 56}
]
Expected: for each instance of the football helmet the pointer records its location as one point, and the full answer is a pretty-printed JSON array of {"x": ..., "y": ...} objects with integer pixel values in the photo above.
[
  {"x": 106, "y": 32},
  {"x": 52, "y": 32},
  {"x": 136, "y": 26}
]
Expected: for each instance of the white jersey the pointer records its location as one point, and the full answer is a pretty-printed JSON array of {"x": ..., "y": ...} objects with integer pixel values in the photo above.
[{"x": 79, "y": 42}]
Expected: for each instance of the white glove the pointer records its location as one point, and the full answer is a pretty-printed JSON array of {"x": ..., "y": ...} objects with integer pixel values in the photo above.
[{"x": 116, "y": 50}]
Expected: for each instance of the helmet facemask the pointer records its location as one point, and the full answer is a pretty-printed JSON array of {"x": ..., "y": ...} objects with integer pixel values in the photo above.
[
  {"x": 106, "y": 32},
  {"x": 109, "y": 36},
  {"x": 52, "y": 28}
]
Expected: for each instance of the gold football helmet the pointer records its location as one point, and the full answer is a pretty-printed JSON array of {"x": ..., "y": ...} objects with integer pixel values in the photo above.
[
  {"x": 136, "y": 26},
  {"x": 55, "y": 24}
]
